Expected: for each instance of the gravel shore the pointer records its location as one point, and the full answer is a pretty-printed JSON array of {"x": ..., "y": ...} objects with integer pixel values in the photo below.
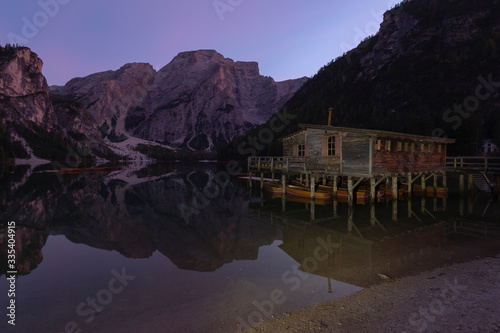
[{"x": 463, "y": 297}]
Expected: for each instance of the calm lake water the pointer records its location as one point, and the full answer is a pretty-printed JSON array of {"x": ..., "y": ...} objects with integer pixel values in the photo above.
[{"x": 174, "y": 248}]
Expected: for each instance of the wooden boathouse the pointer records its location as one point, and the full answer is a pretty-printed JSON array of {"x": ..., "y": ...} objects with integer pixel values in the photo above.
[{"x": 355, "y": 155}]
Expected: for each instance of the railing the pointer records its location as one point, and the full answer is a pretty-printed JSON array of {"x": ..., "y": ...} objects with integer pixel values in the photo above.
[
  {"x": 277, "y": 163},
  {"x": 477, "y": 163}
]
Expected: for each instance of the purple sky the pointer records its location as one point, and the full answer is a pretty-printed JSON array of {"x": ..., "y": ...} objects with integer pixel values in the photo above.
[{"x": 289, "y": 39}]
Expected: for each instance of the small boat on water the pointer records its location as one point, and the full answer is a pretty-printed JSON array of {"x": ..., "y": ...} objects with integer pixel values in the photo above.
[
  {"x": 273, "y": 187},
  {"x": 67, "y": 171},
  {"x": 305, "y": 192}
]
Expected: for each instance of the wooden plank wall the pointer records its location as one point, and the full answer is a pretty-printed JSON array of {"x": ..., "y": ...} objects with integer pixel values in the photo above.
[
  {"x": 355, "y": 153},
  {"x": 316, "y": 161},
  {"x": 290, "y": 142}
]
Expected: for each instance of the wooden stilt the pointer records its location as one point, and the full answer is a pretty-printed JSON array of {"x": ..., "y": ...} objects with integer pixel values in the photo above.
[
  {"x": 395, "y": 209},
  {"x": 409, "y": 181},
  {"x": 395, "y": 188},
  {"x": 313, "y": 187},
  {"x": 335, "y": 187},
  {"x": 313, "y": 210},
  {"x": 250, "y": 179},
  {"x": 373, "y": 193},
  {"x": 422, "y": 182},
  {"x": 445, "y": 181},
  {"x": 324, "y": 180},
  {"x": 471, "y": 184},
  {"x": 272, "y": 176},
  {"x": 307, "y": 180},
  {"x": 283, "y": 183},
  {"x": 435, "y": 183},
  {"x": 350, "y": 190},
  {"x": 261, "y": 180},
  {"x": 461, "y": 184}
]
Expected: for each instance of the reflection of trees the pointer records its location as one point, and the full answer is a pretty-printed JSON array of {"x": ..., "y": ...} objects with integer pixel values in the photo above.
[{"x": 137, "y": 213}]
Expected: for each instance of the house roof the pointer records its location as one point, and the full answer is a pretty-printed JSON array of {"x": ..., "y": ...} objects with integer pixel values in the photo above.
[{"x": 373, "y": 133}]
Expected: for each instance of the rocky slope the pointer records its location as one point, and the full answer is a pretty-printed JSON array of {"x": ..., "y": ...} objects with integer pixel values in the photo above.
[
  {"x": 197, "y": 102},
  {"x": 34, "y": 123}
]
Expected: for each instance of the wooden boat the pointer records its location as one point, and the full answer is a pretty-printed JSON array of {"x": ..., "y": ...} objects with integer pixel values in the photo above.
[
  {"x": 273, "y": 187},
  {"x": 362, "y": 195},
  {"x": 402, "y": 191},
  {"x": 442, "y": 192},
  {"x": 342, "y": 193},
  {"x": 417, "y": 189},
  {"x": 305, "y": 192},
  {"x": 68, "y": 171}
]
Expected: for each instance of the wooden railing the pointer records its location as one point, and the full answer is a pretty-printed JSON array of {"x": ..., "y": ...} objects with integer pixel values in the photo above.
[
  {"x": 277, "y": 163},
  {"x": 476, "y": 163}
]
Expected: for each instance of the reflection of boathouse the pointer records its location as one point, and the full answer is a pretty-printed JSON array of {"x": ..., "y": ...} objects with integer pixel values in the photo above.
[
  {"x": 357, "y": 155},
  {"x": 356, "y": 260}
]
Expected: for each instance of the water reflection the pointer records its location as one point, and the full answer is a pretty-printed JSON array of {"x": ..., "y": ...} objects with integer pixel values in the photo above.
[
  {"x": 237, "y": 247},
  {"x": 136, "y": 212},
  {"x": 384, "y": 237}
]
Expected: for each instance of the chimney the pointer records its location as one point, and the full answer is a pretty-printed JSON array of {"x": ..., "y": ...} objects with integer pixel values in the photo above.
[{"x": 330, "y": 110}]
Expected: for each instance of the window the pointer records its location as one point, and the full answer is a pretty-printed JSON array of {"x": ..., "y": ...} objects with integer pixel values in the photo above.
[
  {"x": 378, "y": 145},
  {"x": 388, "y": 145},
  {"x": 412, "y": 147},
  {"x": 331, "y": 146},
  {"x": 406, "y": 146},
  {"x": 440, "y": 149},
  {"x": 301, "y": 150},
  {"x": 429, "y": 148},
  {"x": 422, "y": 147},
  {"x": 400, "y": 146}
]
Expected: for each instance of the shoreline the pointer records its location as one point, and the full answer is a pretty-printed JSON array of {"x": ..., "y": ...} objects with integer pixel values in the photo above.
[{"x": 461, "y": 297}]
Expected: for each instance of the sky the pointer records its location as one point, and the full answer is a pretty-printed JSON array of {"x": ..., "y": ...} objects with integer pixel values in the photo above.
[{"x": 288, "y": 38}]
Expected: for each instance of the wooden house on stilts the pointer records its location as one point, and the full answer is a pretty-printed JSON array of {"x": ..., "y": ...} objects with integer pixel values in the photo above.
[{"x": 357, "y": 155}]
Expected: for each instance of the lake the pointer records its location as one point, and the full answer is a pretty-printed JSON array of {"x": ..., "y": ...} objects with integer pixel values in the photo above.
[{"x": 176, "y": 248}]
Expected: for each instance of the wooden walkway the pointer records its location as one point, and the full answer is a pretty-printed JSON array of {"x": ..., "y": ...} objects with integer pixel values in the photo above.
[{"x": 473, "y": 164}]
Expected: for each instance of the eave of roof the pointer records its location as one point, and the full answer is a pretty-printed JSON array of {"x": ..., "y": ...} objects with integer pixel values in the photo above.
[{"x": 368, "y": 132}]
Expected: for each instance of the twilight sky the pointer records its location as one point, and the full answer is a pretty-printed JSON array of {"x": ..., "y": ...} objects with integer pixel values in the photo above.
[{"x": 289, "y": 38}]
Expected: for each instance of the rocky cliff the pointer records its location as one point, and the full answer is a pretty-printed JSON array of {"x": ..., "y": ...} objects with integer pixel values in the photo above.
[
  {"x": 34, "y": 123},
  {"x": 197, "y": 102}
]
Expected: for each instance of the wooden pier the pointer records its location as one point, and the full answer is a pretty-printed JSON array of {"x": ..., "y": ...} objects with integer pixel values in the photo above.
[{"x": 345, "y": 159}]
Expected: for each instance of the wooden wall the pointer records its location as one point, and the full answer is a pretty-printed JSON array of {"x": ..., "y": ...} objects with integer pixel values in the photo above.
[
  {"x": 316, "y": 161},
  {"x": 355, "y": 153},
  {"x": 395, "y": 161}
]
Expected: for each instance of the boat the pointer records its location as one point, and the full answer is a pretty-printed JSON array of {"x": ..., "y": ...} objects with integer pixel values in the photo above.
[
  {"x": 68, "y": 171},
  {"x": 305, "y": 192},
  {"x": 273, "y": 187}
]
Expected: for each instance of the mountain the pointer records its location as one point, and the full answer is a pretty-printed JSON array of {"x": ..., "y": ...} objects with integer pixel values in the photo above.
[
  {"x": 197, "y": 102},
  {"x": 30, "y": 119},
  {"x": 432, "y": 69}
]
